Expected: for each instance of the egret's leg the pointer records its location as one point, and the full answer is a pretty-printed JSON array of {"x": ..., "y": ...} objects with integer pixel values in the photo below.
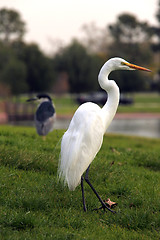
[
  {"x": 83, "y": 199},
  {"x": 104, "y": 206}
]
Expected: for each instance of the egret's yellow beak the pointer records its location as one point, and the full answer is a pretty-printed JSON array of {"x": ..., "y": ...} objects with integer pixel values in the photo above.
[{"x": 136, "y": 67}]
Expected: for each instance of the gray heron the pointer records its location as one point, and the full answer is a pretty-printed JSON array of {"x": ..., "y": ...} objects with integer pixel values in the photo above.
[{"x": 45, "y": 114}]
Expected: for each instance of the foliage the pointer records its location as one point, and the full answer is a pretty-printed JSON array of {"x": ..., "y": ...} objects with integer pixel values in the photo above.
[
  {"x": 131, "y": 81},
  {"x": 39, "y": 72},
  {"x": 95, "y": 39},
  {"x": 34, "y": 205},
  {"x": 128, "y": 29},
  {"x": 12, "y": 71},
  {"x": 14, "y": 74},
  {"x": 156, "y": 30},
  {"x": 82, "y": 68},
  {"x": 131, "y": 40},
  {"x": 24, "y": 67},
  {"x": 11, "y": 25}
]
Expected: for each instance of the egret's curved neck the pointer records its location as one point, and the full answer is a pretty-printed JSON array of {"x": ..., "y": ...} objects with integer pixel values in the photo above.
[{"x": 110, "y": 108}]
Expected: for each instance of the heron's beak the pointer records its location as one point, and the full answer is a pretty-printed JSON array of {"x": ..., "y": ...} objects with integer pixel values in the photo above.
[
  {"x": 137, "y": 67},
  {"x": 31, "y": 99}
]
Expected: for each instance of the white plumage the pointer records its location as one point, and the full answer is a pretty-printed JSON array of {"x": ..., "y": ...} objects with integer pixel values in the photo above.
[
  {"x": 81, "y": 143},
  {"x": 84, "y": 137}
]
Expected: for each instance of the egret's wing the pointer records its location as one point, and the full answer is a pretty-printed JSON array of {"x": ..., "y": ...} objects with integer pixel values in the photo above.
[{"x": 80, "y": 143}]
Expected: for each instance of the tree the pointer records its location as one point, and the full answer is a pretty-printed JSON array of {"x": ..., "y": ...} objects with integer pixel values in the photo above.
[
  {"x": 25, "y": 68},
  {"x": 81, "y": 67},
  {"x": 39, "y": 71},
  {"x": 128, "y": 29},
  {"x": 12, "y": 71},
  {"x": 14, "y": 75},
  {"x": 131, "y": 38},
  {"x": 11, "y": 25},
  {"x": 131, "y": 41},
  {"x": 155, "y": 85},
  {"x": 95, "y": 39},
  {"x": 156, "y": 31}
]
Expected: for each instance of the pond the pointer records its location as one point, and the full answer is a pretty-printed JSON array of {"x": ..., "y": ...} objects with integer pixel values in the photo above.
[
  {"x": 136, "y": 127},
  {"x": 133, "y": 127}
]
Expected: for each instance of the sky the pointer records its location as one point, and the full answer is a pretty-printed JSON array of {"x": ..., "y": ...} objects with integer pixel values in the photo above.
[{"x": 52, "y": 21}]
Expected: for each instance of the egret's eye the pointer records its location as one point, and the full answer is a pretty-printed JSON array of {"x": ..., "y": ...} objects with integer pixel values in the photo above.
[{"x": 123, "y": 63}]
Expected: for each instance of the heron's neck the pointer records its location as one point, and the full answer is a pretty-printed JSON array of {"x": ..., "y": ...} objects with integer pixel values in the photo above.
[{"x": 110, "y": 107}]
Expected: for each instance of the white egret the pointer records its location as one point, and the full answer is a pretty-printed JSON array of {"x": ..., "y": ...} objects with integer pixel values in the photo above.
[
  {"x": 84, "y": 137},
  {"x": 45, "y": 114}
]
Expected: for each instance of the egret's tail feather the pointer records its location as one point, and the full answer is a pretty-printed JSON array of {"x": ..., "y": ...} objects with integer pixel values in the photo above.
[
  {"x": 79, "y": 146},
  {"x": 72, "y": 160}
]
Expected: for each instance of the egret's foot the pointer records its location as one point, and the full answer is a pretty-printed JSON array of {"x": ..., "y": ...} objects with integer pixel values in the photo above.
[{"x": 104, "y": 207}]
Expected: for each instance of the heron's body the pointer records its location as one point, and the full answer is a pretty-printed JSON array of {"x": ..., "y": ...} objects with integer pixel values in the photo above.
[
  {"x": 45, "y": 115},
  {"x": 45, "y": 118},
  {"x": 84, "y": 137}
]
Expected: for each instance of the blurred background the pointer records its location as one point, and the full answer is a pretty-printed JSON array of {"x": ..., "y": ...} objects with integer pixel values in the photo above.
[{"x": 59, "y": 48}]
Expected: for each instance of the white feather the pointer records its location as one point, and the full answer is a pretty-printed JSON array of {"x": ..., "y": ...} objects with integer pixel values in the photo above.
[
  {"x": 84, "y": 137},
  {"x": 80, "y": 143}
]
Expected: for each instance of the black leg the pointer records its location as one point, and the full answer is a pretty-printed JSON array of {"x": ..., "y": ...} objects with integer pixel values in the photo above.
[
  {"x": 83, "y": 199},
  {"x": 104, "y": 206}
]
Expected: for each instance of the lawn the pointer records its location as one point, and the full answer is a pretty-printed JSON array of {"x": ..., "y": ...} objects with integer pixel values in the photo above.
[
  {"x": 67, "y": 104},
  {"x": 34, "y": 205},
  {"x": 142, "y": 103}
]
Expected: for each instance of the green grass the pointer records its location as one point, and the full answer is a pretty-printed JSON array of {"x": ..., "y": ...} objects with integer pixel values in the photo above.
[
  {"x": 143, "y": 103},
  {"x": 34, "y": 205},
  {"x": 67, "y": 105}
]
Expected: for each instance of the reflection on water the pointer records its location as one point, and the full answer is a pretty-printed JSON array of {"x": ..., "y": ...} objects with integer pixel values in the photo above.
[{"x": 134, "y": 127}]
